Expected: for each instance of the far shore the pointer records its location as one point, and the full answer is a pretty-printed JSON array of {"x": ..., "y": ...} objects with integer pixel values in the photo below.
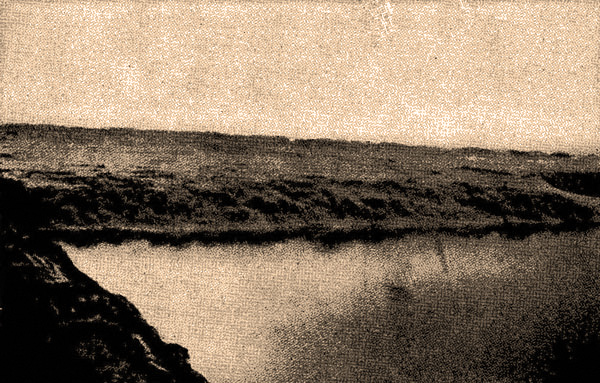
[{"x": 114, "y": 185}]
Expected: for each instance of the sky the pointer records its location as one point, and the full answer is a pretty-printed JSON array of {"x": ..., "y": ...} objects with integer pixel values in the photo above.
[{"x": 496, "y": 74}]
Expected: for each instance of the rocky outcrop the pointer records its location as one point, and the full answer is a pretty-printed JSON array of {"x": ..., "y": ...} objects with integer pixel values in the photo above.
[{"x": 58, "y": 325}]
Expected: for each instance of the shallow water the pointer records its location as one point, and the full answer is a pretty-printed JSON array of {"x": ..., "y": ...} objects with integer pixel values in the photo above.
[{"x": 419, "y": 308}]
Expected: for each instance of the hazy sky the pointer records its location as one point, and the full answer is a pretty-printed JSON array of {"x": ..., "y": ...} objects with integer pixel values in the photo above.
[{"x": 494, "y": 74}]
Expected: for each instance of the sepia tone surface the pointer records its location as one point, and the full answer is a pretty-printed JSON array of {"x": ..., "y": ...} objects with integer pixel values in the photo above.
[
  {"x": 495, "y": 74},
  {"x": 189, "y": 159}
]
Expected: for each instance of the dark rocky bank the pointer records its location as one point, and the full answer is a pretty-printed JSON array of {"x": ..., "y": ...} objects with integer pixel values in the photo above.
[{"x": 58, "y": 325}]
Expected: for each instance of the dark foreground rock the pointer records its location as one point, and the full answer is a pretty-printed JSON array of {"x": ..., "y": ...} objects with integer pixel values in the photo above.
[{"x": 58, "y": 325}]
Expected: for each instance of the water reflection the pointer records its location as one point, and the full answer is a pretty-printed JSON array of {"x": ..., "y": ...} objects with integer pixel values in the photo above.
[{"x": 417, "y": 308}]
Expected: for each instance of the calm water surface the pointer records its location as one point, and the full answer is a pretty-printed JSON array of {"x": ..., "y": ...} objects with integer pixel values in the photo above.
[{"x": 419, "y": 308}]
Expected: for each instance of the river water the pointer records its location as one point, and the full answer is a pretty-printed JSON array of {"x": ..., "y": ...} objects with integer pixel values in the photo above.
[{"x": 419, "y": 308}]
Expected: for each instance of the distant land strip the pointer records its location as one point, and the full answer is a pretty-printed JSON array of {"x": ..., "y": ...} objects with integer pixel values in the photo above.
[{"x": 111, "y": 185}]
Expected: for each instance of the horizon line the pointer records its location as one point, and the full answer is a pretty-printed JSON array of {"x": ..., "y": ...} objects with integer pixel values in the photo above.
[{"x": 293, "y": 139}]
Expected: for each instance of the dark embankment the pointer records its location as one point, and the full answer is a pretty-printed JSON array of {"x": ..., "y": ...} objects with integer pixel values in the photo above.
[{"x": 57, "y": 324}]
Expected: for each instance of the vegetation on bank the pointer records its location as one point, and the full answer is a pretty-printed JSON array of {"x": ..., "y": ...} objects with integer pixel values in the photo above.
[
  {"x": 312, "y": 208},
  {"x": 174, "y": 186}
]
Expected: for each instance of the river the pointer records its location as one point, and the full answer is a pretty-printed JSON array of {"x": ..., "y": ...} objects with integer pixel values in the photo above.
[{"x": 418, "y": 308}]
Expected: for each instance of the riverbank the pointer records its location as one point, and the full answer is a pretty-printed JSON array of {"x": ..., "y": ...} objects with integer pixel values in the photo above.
[
  {"x": 117, "y": 184},
  {"x": 58, "y": 325}
]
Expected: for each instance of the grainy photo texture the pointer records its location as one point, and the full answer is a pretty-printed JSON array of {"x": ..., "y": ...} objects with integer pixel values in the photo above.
[{"x": 299, "y": 191}]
